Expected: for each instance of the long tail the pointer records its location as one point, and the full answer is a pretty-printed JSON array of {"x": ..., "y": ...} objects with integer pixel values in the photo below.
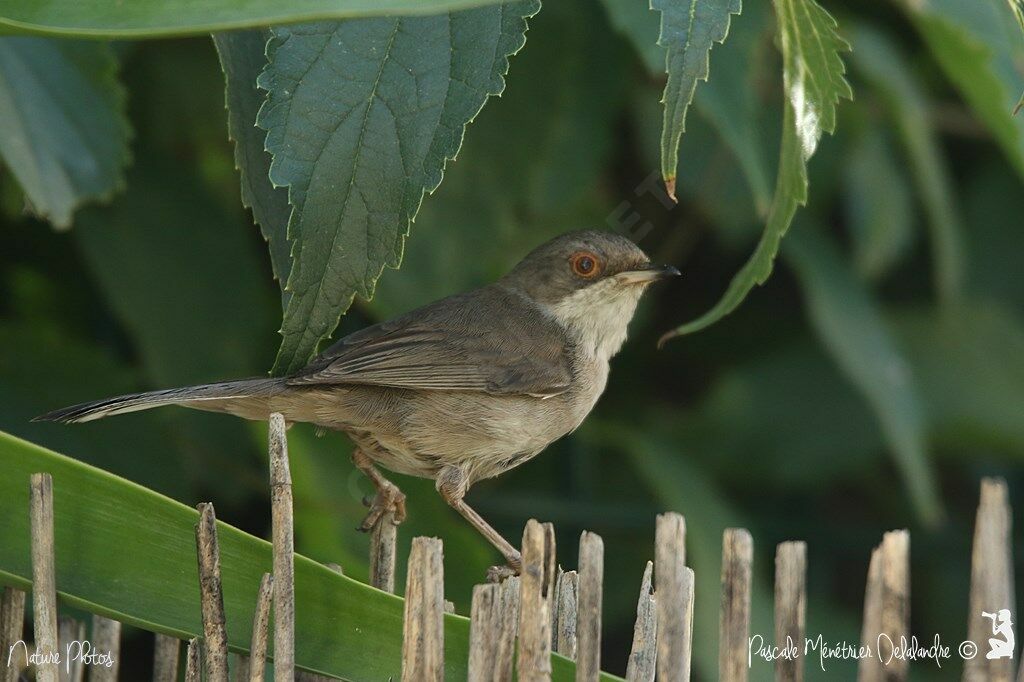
[{"x": 245, "y": 388}]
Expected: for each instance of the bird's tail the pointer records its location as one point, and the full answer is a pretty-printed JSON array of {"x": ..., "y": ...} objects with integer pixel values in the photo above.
[{"x": 192, "y": 396}]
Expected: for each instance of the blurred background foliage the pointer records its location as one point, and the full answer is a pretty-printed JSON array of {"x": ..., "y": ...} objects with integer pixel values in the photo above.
[{"x": 867, "y": 386}]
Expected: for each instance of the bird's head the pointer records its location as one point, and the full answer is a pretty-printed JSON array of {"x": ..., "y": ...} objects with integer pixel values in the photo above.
[{"x": 590, "y": 283}]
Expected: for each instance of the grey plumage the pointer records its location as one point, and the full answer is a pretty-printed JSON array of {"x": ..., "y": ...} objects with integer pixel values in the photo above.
[{"x": 463, "y": 388}]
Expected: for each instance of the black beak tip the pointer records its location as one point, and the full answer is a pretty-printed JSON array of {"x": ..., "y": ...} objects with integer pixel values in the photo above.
[{"x": 670, "y": 271}]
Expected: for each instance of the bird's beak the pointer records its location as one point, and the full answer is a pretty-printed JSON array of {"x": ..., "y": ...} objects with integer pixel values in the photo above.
[{"x": 647, "y": 273}]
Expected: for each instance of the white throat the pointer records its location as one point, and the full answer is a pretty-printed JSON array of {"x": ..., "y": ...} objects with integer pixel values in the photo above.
[{"x": 598, "y": 316}]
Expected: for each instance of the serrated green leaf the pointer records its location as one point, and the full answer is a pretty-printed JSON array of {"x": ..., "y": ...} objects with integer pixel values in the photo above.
[
  {"x": 109, "y": 533},
  {"x": 358, "y": 159},
  {"x": 688, "y": 30},
  {"x": 813, "y": 80},
  {"x": 855, "y": 334},
  {"x": 975, "y": 46},
  {"x": 877, "y": 204},
  {"x": 879, "y": 61},
  {"x": 242, "y": 58},
  {"x": 63, "y": 131},
  {"x": 161, "y": 18}
]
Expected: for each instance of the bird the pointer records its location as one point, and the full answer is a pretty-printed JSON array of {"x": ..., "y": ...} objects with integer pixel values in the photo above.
[{"x": 461, "y": 389}]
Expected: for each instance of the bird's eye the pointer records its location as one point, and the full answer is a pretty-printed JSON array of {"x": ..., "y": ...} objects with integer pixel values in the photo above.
[{"x": 585, "y": 264}]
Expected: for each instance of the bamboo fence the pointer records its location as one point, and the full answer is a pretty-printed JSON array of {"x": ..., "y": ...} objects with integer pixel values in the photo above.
[{"x": 516, "y": 625}]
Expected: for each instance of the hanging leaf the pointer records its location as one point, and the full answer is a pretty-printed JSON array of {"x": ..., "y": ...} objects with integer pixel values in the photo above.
[
  {"x": 813, "y": 79},
  {"x": 242, "y": 58},
  {"x": 358, "y": 159},
  {"x": 854, "y": 332},
  {"x": 688, "y": 30},
  {"x": 63, "y": 131}
]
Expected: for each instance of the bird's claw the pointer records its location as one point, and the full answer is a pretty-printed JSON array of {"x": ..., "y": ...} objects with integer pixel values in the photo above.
[
  {"x": 499, "y": 574},
  {"x": 389, "y": 499}
]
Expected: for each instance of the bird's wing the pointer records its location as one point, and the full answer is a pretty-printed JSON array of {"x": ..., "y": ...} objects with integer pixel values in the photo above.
[{"x": 489, "y": 340}]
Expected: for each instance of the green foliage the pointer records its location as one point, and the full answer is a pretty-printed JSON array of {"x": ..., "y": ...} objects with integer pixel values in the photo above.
[
  {"x": 63, "y": 131},
  {"x": 972, "y": 43},
  {"x": 813, "y": 81},
  {"x": 688, "y": 30},
  {"x": 357, "y": 160},
  {"x": 161, "y": 18},
  {"x": 842, "y": 313},
  {"x": 868, "y": 385}
]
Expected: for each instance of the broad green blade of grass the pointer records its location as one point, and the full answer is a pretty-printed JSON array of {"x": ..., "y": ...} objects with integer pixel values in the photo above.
[
  {"x": 161, "y": 18},
  {"x": 128, "y": 553}
]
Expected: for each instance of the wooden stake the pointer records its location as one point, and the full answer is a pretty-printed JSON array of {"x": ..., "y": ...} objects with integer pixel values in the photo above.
[
  {"x": 992, "y": 589},
  {"x": 790, "y": 608},
  {"x": 734, "y": 626},
  {"x": 484, "y": 616},
  {"x": 674, "y": 596},
  {"x": 71, "y": 635},
  {"x": 886, "y": 609},
  {"x": 423, "y": 633},
  {"x": 165, "y": 658},
  {"x": 536, "y": 588},
  {"x": 260, "y": 620},
  {"x": 215, "y": 636},
  {"x": 588, "y": 629},
  {"x": 44, "y": 582},
  {"x": 643, "y": 655},
  {"x": 508, "y": 628},
  {"x": 567, "y": 597},
  {"x": 383, "y": 538},
  {"x": 12, "y": 626},
  {"x": 284, "y": 552},
  {"x": 193, "y": 666},
  {"x": 554, "y": 604},
  {"x": 106, "y": 637}
]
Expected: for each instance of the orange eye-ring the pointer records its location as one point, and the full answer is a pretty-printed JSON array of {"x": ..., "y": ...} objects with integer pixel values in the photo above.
[{"x": 585, "y": 264}]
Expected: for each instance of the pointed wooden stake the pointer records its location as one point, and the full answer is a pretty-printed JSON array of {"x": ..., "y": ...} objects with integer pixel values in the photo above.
[
  {"x": 644, "y": 653},
  {"x": 284, "y": 552}
]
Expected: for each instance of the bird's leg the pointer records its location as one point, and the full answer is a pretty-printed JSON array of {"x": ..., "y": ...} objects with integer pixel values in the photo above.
[
  {"x": 388, "y": 498},
  {"x": 451, "y": 483}
]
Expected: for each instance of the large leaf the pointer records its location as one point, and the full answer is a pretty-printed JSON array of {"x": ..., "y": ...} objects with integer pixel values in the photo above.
[
  {"x": 358, "y": 159},
  {"x": 525, "y": 177},
  {"x": 126, "y": 552},
  {"x": 879, "y": 61},
  {"x": 158, "y": 18},
  {"x": 854, "y": 332},
  {"x": 814, "y": 82},
  {"x": 688, "y": 30},
  {"x": 63, "y": 131},
  {"x": 242, "y": 57},
  {"x": 980, "y": 48}
]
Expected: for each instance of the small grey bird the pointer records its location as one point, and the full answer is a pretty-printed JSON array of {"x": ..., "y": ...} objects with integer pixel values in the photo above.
[{"x": 459, "y": 390}]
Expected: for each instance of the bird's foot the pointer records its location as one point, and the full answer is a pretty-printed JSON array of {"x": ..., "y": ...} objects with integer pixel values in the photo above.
[
  {"x": 498, "y": 574},
  {"x": 389, "y": 499}
]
